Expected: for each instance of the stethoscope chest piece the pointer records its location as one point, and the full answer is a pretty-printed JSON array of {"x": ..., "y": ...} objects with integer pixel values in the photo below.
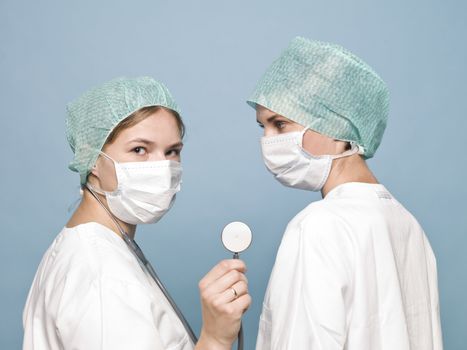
[{"x": 236, "y": 237}]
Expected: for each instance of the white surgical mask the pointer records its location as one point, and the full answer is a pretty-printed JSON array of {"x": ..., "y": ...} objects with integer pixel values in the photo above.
[
  {"x": 145, "y": 190},
  {"x": 294, "y": 167}
]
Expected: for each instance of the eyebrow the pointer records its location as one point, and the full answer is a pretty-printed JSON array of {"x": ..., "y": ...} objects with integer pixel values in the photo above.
[
  {"x": 270, "y": 119},
  {"x": 148, "y": 142},
  {"x": 175, "y": 145},
  {"x": 141, "y": 140}
]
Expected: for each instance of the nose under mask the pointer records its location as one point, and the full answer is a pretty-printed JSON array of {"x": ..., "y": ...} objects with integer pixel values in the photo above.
[
  {"x": 294, "y": 167},
  {"x": 145, "y": 190}
]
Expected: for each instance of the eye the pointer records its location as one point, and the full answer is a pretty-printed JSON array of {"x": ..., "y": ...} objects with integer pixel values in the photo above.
[
  {"x": 279, "y": 124},
  {"x": 139, "y": 150},
  {"x": 261, "y": 126},
  {"x": 173, "y": 152}
]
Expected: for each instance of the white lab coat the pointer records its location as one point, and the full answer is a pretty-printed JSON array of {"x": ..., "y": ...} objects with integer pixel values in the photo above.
[
  {"x": 90, "y": 293},
  {"x": 354, "y": 271}
]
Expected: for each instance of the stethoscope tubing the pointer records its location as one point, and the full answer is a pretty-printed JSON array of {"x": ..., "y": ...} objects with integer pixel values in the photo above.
[{"x": 146, "y": 265}]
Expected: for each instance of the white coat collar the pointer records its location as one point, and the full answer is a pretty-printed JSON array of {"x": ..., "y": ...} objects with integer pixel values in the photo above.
[{"x": 359, "y": 190}]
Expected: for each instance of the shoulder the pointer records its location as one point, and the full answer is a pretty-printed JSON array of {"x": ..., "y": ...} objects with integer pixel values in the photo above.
[
  {"x": 321, "y": 220},
  {"x": 94, "y": 266},
  {"x": 91, "y": 251},
  {"x": 319, "y": 242},
  {"x": 320, "y": 230}
]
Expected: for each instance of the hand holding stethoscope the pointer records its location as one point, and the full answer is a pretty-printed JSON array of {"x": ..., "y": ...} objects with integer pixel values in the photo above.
[
  {"x": 237, "y": 237},
  {"x": 224, "y": 290}
]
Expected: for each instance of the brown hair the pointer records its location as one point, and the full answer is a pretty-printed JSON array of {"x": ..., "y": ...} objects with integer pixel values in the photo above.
[{"x": 137, "y": 116}]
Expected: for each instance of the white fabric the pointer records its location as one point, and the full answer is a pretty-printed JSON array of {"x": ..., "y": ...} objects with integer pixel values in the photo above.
[
  {"x": 354, "y": 271},
  {"x": 145, "y": 190},
  {"x": 293, "y": 166},
  {"x": 90, "y": 293}
]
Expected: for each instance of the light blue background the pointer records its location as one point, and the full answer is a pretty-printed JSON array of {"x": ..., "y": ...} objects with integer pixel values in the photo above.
[{"x": 210, "y": 54}]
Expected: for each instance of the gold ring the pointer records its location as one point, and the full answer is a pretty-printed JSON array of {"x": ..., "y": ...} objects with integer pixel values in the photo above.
[{"x": 234, "y": 292}]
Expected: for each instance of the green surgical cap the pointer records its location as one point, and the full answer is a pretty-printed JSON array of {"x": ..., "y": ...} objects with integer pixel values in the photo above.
[
  {"x": 93, "y": 116},
  {"x": 328, "y": 89}
]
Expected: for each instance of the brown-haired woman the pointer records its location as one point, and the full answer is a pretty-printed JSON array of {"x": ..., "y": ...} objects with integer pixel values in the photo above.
[{"x": 94, "y": 289}]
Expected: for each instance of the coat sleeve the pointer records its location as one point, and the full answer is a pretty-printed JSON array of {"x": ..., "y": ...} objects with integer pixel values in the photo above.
[
  {"x": 316, "y": 317},
  {"x": 105, "y": 313}
]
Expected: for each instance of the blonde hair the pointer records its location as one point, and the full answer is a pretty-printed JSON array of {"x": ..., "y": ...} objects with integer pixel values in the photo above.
[{"x": 137, "y": 116}]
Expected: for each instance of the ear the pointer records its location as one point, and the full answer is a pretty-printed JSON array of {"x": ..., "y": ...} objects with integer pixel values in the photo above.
[{"x": 94, "y": 170}]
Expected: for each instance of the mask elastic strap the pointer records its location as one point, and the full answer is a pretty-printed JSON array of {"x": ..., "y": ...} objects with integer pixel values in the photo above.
[
  {"x": 95, "y": 189},
  {"x": 353, "y": 150},
  {"x": 108, "y": 157},
  {"x": 302, "y": 134},
  {"x": 92, "y": 191}
]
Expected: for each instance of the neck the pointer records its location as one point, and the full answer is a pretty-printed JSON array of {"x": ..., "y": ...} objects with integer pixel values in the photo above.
[
  {"x": 348, "y": 169},
  {"x": 90, "y": 210}
]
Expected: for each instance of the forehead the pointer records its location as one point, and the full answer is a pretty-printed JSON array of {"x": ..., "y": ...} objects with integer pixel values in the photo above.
[
  {"x": 160, "y": 125},
  {"x": 264, "y": 115}
]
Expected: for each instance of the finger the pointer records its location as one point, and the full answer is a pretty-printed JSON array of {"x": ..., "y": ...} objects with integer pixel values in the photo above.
[
  {"x": 221, "y": 269},
  {"x": 225, "y": 282},
  {"x": 242, "y": 303},
  {"x": 237, "y": 290}
]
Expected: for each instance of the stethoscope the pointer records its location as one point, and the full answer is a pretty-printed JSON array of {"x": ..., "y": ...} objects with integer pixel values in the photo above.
[{"x": 236, "y": 237}]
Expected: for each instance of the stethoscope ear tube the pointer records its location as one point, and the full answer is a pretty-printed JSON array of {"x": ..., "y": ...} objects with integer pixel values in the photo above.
[
  {"x": 145, "y": 264},
  {"x": 179, "y": 313}
]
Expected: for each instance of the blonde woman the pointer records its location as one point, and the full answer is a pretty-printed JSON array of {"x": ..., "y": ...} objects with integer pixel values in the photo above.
[{"x": 94, "y": 289}]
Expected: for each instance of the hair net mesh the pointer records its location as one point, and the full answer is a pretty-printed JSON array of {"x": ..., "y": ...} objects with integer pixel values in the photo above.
[
  {"x": 93, "y": 116},
  {"x": 329, "y": 89}
]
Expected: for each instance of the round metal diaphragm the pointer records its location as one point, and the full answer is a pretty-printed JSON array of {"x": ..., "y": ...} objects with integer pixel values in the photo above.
[{"x": 236, "y": 237}]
